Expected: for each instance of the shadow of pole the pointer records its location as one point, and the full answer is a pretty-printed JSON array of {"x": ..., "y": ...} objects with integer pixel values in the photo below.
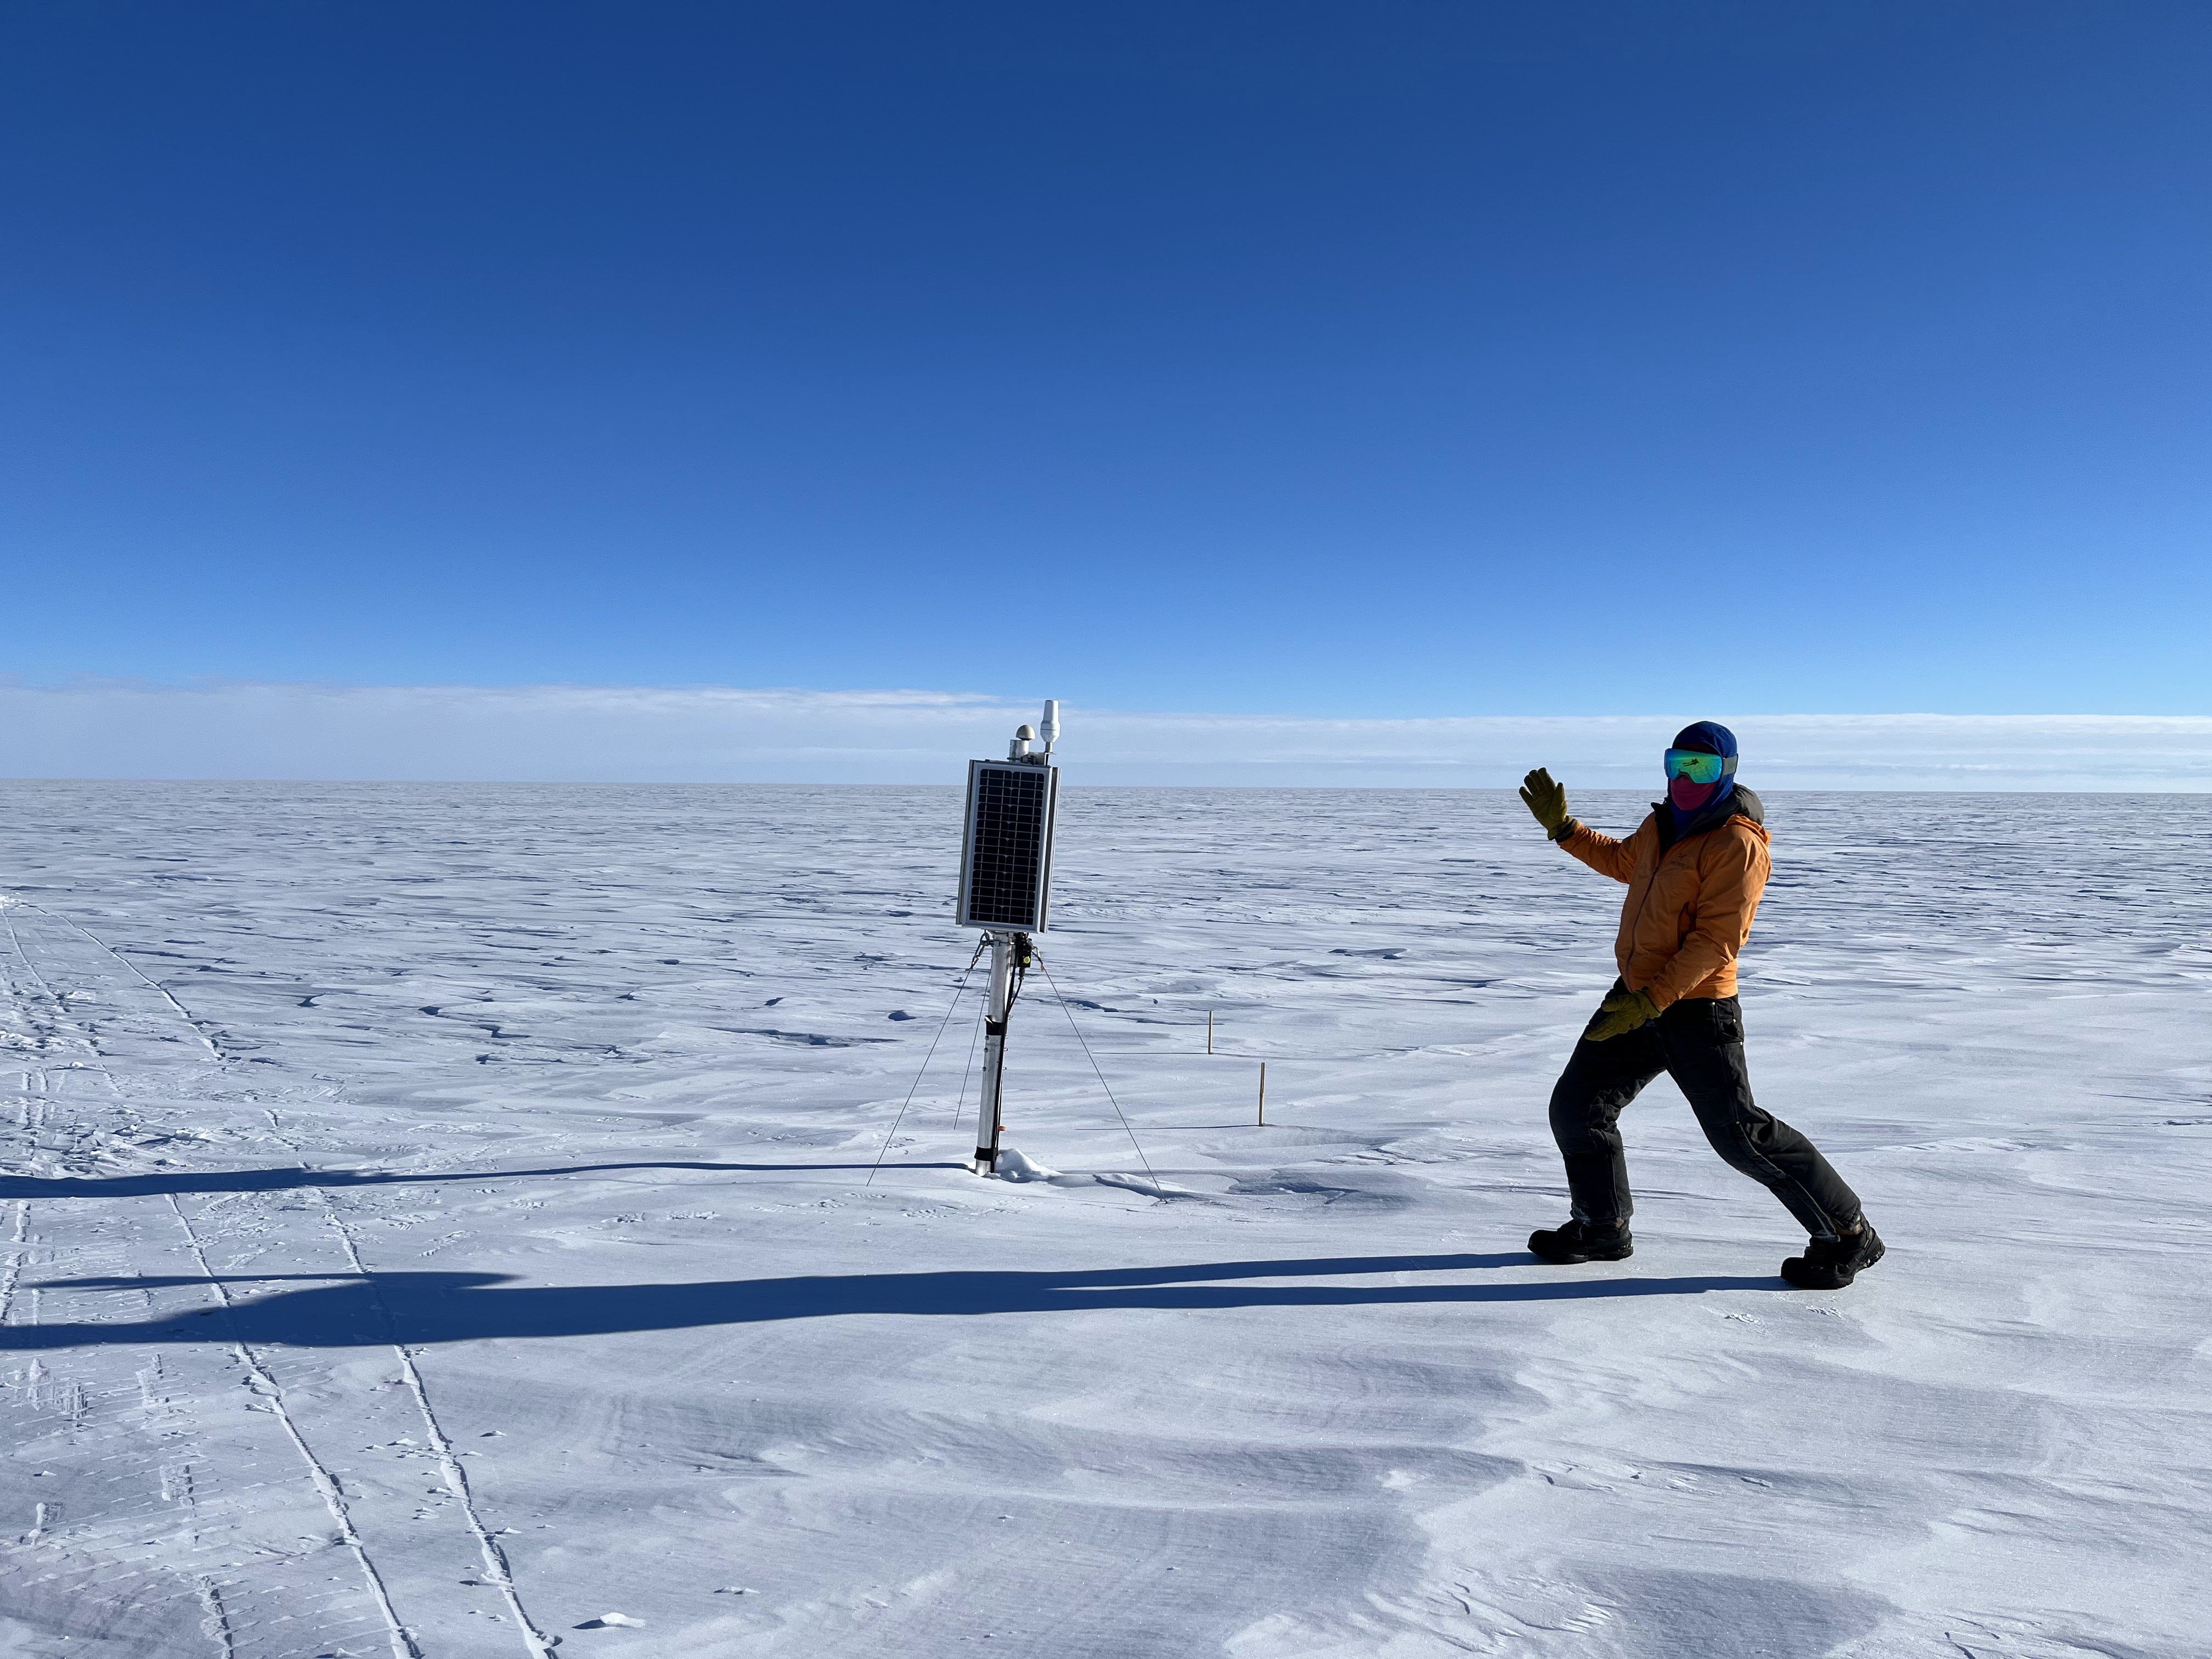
[{"x": 287, "y": 1180}]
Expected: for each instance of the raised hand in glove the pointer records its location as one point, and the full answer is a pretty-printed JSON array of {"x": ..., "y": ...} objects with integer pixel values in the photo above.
[
  {"x": 1622, "y": 1012},
  {"x": 1548, "y": 798}
]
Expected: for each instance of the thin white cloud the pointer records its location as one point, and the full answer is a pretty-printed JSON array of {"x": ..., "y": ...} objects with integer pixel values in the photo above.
[{"x": 724, "y": 735}]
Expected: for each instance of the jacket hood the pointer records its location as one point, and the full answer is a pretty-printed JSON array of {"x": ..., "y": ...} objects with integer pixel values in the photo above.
[{"x": 1739, "y": 803}]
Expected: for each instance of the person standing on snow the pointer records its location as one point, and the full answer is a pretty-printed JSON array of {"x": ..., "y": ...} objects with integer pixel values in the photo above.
[{"x": 1695, "y": 869}]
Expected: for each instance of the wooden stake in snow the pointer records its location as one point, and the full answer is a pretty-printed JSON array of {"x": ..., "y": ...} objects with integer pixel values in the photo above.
[
  {"x": 1209, "y": 1030},
  {"x": 1263, "y": 1094}
]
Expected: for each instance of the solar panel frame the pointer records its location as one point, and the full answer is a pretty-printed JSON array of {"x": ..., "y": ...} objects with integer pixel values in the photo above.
[{"x": 1005, "y": 846}]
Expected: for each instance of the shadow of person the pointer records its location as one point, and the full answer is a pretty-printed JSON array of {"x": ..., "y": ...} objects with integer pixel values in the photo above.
[{"x": 459, "y": 1307}]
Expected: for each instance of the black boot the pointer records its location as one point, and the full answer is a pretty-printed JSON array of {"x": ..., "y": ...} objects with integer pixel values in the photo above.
[
  {"x": 1577, "y": 1243},
  {"x": 1829, "y": 1264}
]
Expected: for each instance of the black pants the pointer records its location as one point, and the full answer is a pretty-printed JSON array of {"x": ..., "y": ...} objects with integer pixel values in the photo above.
[{"x": 1699, "y": 1042}]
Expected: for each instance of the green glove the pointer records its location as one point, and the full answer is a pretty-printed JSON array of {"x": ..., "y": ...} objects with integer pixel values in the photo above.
[
  {"x": 1622, "y": 1012},
  {"x": 1547, "y": 800}
]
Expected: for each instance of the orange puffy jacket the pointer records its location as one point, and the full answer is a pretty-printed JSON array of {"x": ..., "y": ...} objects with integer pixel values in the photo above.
[{"x": 1690, "y": 904}]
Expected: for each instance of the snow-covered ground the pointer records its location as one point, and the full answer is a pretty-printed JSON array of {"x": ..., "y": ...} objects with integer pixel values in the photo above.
[{"x": 442, "y": 1224}]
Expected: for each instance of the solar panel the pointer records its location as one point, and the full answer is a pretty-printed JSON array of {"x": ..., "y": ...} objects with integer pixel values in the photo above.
[{"x": 1005, "y": 856}]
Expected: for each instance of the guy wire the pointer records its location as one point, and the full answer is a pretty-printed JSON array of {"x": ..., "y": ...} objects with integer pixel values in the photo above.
[
  {"x": 975, "y": 1037},
  {"x": 981, "y": 945},
  {"x": 1108, "y": 1087}
]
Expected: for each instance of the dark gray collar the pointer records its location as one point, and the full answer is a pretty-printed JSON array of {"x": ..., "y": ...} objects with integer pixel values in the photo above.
[{"x": 1739, "y": 803}]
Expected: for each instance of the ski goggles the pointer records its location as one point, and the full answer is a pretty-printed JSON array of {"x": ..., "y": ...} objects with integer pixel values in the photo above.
[{"x": 1698, "y": 766}]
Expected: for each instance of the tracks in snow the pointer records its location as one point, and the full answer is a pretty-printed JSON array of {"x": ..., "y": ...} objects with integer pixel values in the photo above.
[
  {"x": 123, "y": 962},
  {"x": 456, "y": 1476},
  {"x": 333, "y": 1497},
  {"x": 170, "y": 1478}
]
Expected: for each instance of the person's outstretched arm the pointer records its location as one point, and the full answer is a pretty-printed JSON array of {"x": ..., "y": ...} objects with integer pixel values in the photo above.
[{"x": 1547, "y": 798}]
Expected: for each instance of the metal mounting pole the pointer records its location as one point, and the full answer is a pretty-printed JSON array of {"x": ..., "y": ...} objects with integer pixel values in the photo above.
[{"x": 995, "y": 1008}]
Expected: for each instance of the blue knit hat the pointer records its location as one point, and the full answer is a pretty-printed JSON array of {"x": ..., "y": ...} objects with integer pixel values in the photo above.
[{"x": 1707, "y": 737}]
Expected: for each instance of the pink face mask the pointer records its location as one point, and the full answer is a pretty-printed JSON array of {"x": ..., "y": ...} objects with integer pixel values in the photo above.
[{"x": 1687, "y": 796}]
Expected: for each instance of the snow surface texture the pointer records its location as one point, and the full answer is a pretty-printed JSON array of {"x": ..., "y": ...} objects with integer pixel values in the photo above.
[{"x": 440, "y": 1224}]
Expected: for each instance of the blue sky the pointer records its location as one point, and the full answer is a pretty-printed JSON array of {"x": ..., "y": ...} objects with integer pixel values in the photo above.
[{"x": 1369, "y": 361}]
